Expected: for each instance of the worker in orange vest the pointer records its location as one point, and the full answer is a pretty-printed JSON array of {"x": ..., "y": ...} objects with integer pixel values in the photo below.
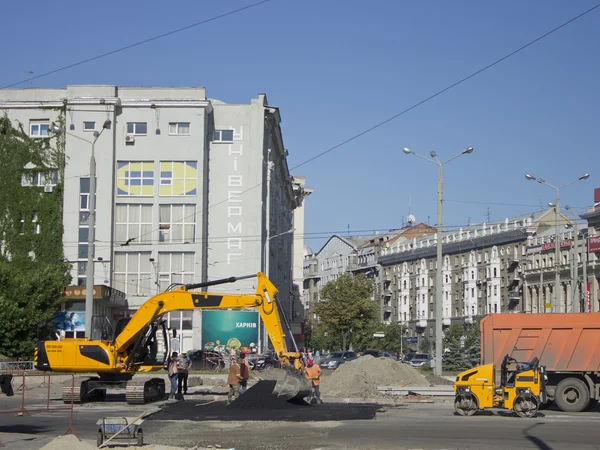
[{"x": 313, "y": 373}]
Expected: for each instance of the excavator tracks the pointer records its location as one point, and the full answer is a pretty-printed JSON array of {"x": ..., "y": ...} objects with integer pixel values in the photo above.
[
  {"x": 79, "y": 392},
  {"x": 140, "y": 392}
]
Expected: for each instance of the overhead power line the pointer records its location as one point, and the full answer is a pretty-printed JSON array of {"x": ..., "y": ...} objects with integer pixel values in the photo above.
[
  {"x": 453, "y": 85},
  {"x": 137, "y": 44},
  {"x": 425, "y": 100}
]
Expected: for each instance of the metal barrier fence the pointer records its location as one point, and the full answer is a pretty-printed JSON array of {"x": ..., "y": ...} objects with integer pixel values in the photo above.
[
  {"x": 13, "y": 366},
  {"x": 25, "y": 409}
]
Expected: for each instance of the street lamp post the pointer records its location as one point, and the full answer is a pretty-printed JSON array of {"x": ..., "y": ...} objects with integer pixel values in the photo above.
[
  {"x": 576, "y": 300},
  {"x": 89, "y": 281},
  {"x": 439, "y": 349},
  {"x": 555, "y": 296},
  {"x": 264, "y": 264}
]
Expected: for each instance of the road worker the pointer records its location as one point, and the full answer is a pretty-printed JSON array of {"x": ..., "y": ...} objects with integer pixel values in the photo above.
[{"x": 313, "y": 373}]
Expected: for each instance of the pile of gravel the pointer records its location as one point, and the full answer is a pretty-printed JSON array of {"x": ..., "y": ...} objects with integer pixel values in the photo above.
[{"x": 361, "y": 377}]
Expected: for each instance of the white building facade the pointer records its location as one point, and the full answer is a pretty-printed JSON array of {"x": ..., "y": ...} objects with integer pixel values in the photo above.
[{"x": 188, "y": 189}]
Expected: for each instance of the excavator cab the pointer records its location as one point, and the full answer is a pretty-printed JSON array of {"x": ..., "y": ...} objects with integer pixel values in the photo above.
[{"x": 522, "y": 388}]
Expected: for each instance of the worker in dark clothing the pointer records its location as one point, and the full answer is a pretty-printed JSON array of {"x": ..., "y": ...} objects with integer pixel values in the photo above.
[{"x": 6, "y": 385}]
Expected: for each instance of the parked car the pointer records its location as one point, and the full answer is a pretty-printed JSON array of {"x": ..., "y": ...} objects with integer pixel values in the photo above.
[
  {"x": 419, "y": 359},
  {"x": 267, "y": 360},
  {"x": 336, "y": 359},
  {"x": 372, "y": 352}
]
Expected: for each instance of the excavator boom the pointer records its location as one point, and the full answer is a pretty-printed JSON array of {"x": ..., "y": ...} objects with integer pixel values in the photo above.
[{"x": 134, "y": 349}]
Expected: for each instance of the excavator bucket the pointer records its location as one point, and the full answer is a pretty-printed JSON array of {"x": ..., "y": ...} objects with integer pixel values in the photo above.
[{"x": 291, "y": 384}]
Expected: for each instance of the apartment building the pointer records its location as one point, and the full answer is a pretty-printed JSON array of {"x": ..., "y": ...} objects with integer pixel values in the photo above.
[{"x": 188, "y": 189}]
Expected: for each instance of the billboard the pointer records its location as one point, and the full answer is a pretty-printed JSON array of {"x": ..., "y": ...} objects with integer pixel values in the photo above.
[
  {"x": 239, "y": 328},
  {"x": 68, "y": 321},
  {"x": 594, "y": 244}
]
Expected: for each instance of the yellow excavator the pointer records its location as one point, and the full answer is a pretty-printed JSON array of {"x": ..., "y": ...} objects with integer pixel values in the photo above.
[
  {"x": 522, "y": 388},
  {"x": 140, "y": 344}
]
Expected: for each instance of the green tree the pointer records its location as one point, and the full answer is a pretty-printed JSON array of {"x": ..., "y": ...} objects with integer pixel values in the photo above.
[
  {"x": 425, "y": 345},
  {"x": 347, "y": 307},
  {"x": 33, "y": 273},
  {"x": 463, "y": 347}
]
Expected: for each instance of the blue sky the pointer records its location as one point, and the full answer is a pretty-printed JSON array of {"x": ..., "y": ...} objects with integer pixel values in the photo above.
[{"x": 337, "y": 68}]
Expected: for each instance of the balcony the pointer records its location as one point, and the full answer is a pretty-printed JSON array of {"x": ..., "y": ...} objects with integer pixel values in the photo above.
[
  {"x": 311, "y": 272},
  {"x": 514, "y": 295},
  {"x": 446, "y": 322},
  {"x": 421, "y": 323},
  {"x": 387, "y": 292}
]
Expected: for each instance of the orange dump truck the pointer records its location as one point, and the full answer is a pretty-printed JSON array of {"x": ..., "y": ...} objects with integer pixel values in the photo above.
[{"x": 567, "y": 344}]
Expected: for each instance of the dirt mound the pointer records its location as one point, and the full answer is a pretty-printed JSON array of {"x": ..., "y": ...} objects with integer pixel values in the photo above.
[
  {"x": 67, "y": 442},
  {"x": 361, "y": 377}
]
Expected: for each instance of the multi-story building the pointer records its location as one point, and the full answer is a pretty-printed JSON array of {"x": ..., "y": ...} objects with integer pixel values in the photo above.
[
  {"x": 482, "y": 271},
  {"x": 578, "y": 271},
  {"x": 188, "y": 189}
]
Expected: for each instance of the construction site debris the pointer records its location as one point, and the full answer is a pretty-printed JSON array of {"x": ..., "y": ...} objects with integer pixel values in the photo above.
[{"x": 361, "y": 378}]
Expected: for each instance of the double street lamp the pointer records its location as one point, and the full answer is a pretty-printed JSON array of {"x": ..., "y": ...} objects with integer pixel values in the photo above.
[
  {"x": 89, "y": 282},
  {"x": 555, "y": 297},
  {"x": 439, "y": 348}
]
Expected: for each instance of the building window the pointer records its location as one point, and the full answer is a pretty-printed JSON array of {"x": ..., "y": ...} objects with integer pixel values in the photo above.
[
  {"x": 36, "y": 225},
  {"x": 81, "y": 273},
  {"x": 83, "y": 242},
  {"x": 472, "y": 292},
  {"x": 135, "y": 178},
  {"x": 137, "y": 128},
  {"x": 133, "y": 221},
  {"x": 178, "y": 178},
  {"x": 84, "y": 215},
  {"x": 48, "y": 178},
  {"x": 495, "y": 272},
  {"x": 177, "y": 223},
  {"x": 495, "y": 290},
  {"x": 179, "y": 128},
  {"x": 176, "y": 267},
  {"x": 133, "y": 273},
  {"x": 223, "y": 136},
  {"x": 39, "y": 128},
  {"x": 84, "y": 194},
  {"x": 89, "y": 126}
]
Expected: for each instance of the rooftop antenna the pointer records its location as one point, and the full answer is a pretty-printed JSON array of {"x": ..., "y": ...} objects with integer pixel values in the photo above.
[
  {"x": 468, "y": 221},
  {"x": 30, "y": 78},
  {"x": 488, "y": 215},
  {"x": 348, "y": 229}
]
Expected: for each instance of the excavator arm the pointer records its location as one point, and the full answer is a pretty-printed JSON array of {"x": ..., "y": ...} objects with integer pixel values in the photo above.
[{"x": 184, "y": 298}]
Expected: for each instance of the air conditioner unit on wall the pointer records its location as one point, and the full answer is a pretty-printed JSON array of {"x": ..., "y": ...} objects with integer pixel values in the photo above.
[
  {"x": 129, "y": 138},
  {"x": 48, "y": 188}
]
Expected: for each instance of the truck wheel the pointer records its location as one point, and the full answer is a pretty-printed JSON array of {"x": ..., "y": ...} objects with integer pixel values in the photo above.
[
  {"x": 572, "y": 395},
  {"x": 99, "y": 438}
]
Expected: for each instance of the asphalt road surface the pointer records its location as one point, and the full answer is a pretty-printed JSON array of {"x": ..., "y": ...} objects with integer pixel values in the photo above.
[{"x": 409, "y": 426}]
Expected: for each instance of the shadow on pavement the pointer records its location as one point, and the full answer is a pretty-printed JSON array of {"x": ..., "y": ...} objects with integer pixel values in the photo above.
[
  {"x": 535, "y": 440},
  {"x": 23, "y": 429}
]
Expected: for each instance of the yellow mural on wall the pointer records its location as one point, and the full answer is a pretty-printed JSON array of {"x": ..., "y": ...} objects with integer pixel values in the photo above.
[
  {"x": 135, "y": 178},
  {"x": 178, "y": 178}
]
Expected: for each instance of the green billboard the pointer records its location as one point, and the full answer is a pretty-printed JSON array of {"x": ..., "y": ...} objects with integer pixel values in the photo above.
[{"x": 221, "y": 327}]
